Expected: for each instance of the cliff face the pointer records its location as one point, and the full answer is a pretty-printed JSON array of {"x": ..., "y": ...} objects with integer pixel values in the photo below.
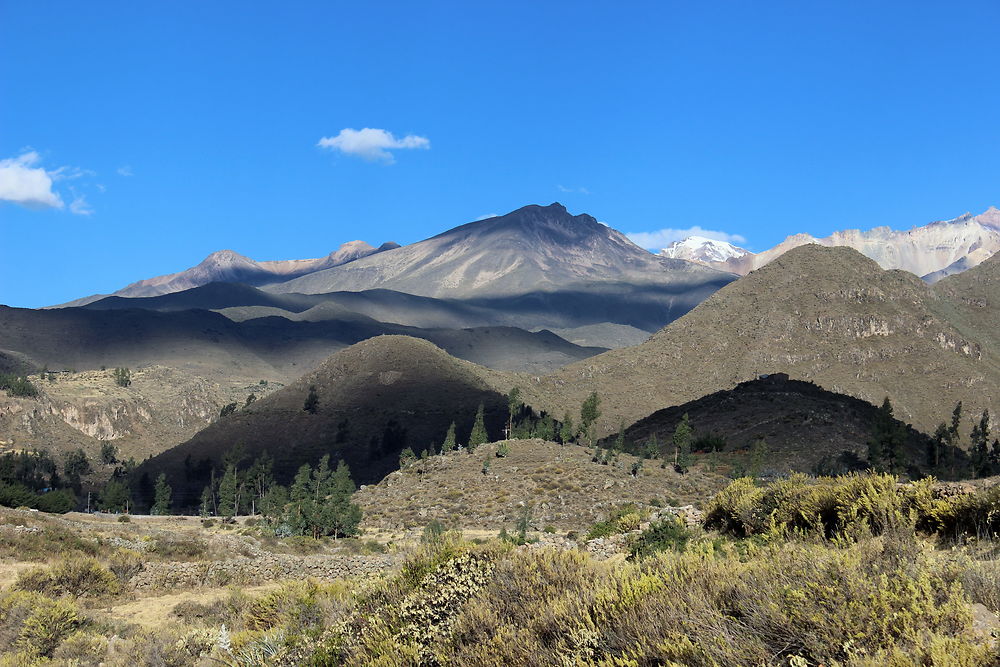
[{"x": 161, "y": 408}]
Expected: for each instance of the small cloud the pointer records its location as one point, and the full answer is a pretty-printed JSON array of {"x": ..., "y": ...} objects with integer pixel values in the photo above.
[
  {"x": 581, "y": 191},
  {"x": 21, "y": 182},
  {"x": 372, "y": 144},
  {"x": 664, "y": 237},
  {"x": 125, "y": 170},
  {"x": 488, "y": 216},
  {"x": 80, "y": 206}
]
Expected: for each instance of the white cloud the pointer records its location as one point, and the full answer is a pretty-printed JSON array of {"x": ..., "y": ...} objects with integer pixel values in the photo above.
[
  {"x": 21, "y": 182},
  {"x": 488, "y": 216},
  {"x": 582, "y": 191},
  {"x": 125, "y": 170},
  {"x": 372, "y": 144},
  {"x": 662, "y": 238},
  {"x": 80, "y": 206}
]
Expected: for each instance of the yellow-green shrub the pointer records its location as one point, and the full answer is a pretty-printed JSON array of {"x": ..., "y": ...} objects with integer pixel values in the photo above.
[{"x": 79, "y": 577}]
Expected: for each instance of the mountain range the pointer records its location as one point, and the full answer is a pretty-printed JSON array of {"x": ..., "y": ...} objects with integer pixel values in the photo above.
[
  {"x": 488, "y": 299},
  {"x": 932, "y": 251}
]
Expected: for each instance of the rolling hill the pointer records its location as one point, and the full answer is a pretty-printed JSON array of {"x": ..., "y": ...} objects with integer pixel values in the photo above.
[
  {"x": 806, "y": 428},
  {"x": 827, "y": 315},
  {"x": 374, "y": 399}
]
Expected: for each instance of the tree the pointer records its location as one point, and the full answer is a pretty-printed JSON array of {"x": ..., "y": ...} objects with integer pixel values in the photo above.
[
  {"x": 207, "y": 505},
  {"x": 109, "y": 454},
  {"x": 885, "y": 448},
  {"x": 545, "y": 428},
  {"x": 123, "y": 377},
  {"x": 566, "y": 429},
  {"x": 589, "y": 413},
  {"x": 311, "y": 403},
  {"x": 114, "y": 497},
  {"x": 652, "y": 448},
  {"x": 227, "y": 410},
  {"x": 682, "y": 444},
  {"x": 260, "y": 477},
  {"x": 228, "y": 502},
  {"x": 449, "y": 439},
  {"x": 406, "y": 457},
  {"x": 75, "y": 466},
  {"x": 979, "y": 439},
  {"x": 758, "y": 454},
  {"x": 161, "y": 502},
  {"x": 514, "y": 405},
  {"x": 619, "y": 445},
  {"x": 936, "y": 445},
  {"x": 478, "y": 436}
]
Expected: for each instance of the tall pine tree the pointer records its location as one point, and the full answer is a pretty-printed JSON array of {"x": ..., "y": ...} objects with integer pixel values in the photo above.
[{"x": 479, "y": 436}]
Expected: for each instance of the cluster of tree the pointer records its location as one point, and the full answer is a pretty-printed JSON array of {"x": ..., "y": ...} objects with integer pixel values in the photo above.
[
  {"x": 240, "y": 489},
  {"x": 31, "y": 479},
  {"x": 18, "y": 386},
  {"x": 318, "y": 502},
  {"x": 948, "y": 453}
]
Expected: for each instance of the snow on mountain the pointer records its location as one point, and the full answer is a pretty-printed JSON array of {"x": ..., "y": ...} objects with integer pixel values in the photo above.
[
  {"x": 931, "y": 251},
  {"x": 703, "y": 250}
]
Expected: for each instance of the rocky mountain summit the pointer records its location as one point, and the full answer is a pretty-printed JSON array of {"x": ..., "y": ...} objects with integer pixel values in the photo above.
[{"x": 532, "y": 249}]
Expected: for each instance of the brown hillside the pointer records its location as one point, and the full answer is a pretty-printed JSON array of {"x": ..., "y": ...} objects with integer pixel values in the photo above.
[
  {"x": 560, "y": 484},
  {"x": 828, "y": 315}
]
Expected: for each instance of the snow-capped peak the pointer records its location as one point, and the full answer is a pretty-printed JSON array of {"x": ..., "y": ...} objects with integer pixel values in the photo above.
[{"x": 701, "y": 249}]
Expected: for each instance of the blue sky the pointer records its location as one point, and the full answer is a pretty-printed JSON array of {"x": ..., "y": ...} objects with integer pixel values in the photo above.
[{"x": 137, "y": 137}]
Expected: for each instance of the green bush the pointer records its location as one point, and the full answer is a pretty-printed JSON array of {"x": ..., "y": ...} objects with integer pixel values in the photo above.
[
  {"x": 17, "y": 386},
  {"x": 622, "y": 520},
  {"x": 667, "y": 534}
]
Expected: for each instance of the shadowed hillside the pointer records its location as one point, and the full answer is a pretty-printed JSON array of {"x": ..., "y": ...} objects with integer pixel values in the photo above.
[
  {"x": 806, "y": 428},
  {"x": 214, "y": 346},
  {"x": 373, "y": 399}
]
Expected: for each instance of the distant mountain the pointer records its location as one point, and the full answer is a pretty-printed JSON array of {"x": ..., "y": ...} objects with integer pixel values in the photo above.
[
  {"x": 536, "y": 268},
  {"x": 827, "y": 315},
  {"x": 533, "y": 249},
  {"x": 704, "y": 251},
  {"x": 932, "y": 251},
  {"x": 229, "y": 266},
  {"x": 271, "y": 348}
]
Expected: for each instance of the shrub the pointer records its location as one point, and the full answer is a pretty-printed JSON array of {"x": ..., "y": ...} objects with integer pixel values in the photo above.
[
  {"x": 124, "y": 518},
  {"x": 48, "y": 623},
  {"x": 622, "y": 520},
  {"x": 178, "y": 547},
  {"x": 79, "y": 577},
  {"x": 668, "y": 534}
]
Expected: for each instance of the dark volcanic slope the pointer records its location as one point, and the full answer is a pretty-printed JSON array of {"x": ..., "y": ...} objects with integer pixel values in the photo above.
[
  {"x": 375, "y": 398},
  {"x": 272, "y": 347},
  {"x": 533, "y": 249},
  {"x": 801, "y": 422},
  {"x": 829, "y": 315}
]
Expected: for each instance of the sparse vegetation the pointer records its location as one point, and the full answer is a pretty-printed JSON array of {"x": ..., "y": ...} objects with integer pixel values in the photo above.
[{"x": 18, "y": 386}]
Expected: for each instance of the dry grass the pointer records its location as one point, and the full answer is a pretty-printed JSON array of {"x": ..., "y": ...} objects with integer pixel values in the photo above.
[{"x": 561, "y": 484}]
